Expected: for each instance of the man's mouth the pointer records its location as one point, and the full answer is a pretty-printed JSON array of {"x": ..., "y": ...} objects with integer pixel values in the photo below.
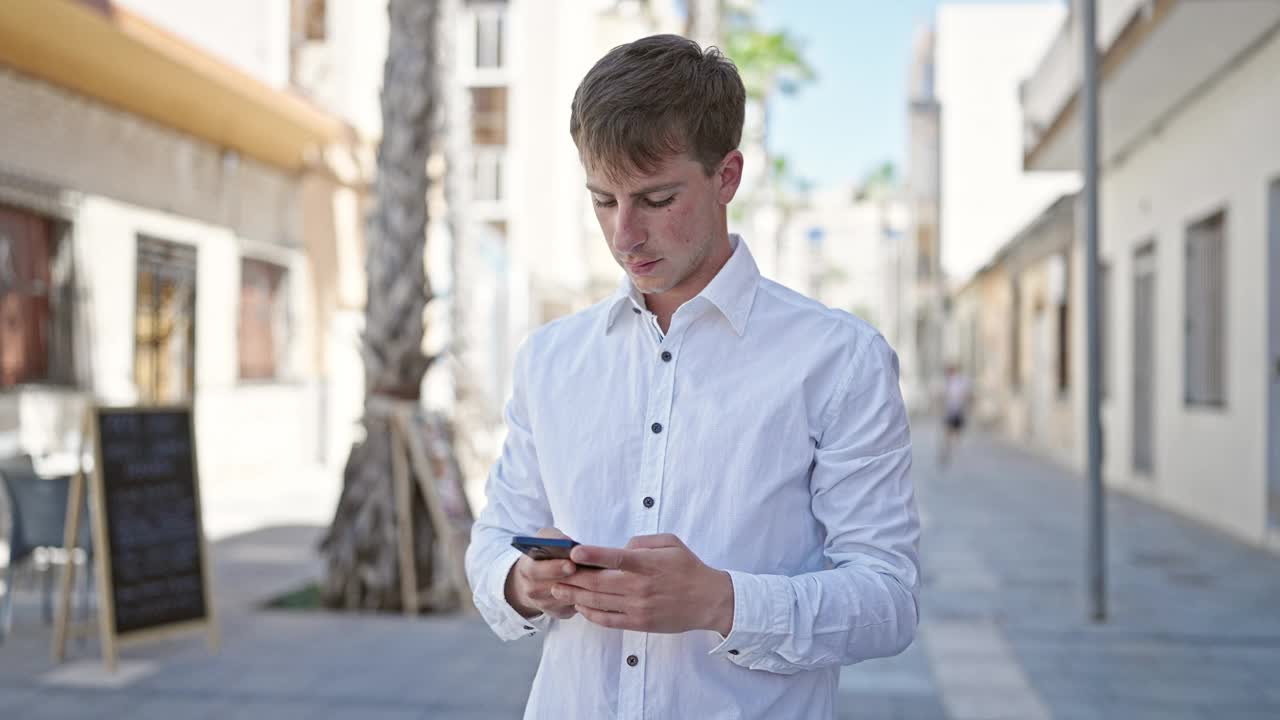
[{"x": 643, "y": 267}]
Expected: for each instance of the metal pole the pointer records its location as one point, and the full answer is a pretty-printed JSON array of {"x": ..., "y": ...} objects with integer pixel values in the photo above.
[{"x": 1097, "y": 498}]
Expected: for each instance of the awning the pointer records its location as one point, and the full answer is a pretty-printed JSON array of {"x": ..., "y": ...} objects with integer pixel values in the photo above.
[{"x": 107, "y": 53}]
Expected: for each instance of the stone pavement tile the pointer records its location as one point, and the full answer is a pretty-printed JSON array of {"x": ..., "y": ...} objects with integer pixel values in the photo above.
[
  {"x": 1079, "y": 710},
  {"x": 993, "y": 675},
  {"x": 1182, "y": 693},
  {"x": 13, "y": 700},
  {"x": 357, "y": 711},
  {"x": 963, "y": 644},
  {"x": 272, "y": 710},
  {"x": 889, "y": 707},
  {"x": 919, "y": 709},
  {"x": 169, "y": 708},
  {"x": 368, "y": 686},
  {"x": 269, "y": 681},
  {"x": 897, "y": 683},
  {"x": 1064, "y": 692},
  {"x": 464, "y": 713},
  {"x": 1240, "y": 712},
  {"x": 982, "y": 705},
  {"x": 495, "y": 691},
  {"x": 50, "y": 704},
  {"x": 1151, "y": 711}
]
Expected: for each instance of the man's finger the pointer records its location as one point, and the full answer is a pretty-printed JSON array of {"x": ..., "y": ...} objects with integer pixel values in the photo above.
[
  {"x": 602, "y": 557},
  {"x": 591, "y": 599},
  {"x": 551, "y": 533},
  {"x": 605, "y": 619},
  {"x": 653, "y": 542},
  {"x": 548, "y": 569},
  {"x": 614, "y": 582}
]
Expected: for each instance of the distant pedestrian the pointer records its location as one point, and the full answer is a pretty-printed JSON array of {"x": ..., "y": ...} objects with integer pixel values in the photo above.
[{"x": 956, "y": 396}]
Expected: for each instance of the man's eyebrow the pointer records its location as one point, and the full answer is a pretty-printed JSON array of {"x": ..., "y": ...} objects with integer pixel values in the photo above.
[{"x": 642, "y": 191}]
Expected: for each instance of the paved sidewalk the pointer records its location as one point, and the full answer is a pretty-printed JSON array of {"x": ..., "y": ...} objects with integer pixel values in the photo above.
[
  {"x": 273, "y": 663},
  {"x": 1195, "y": 628}
]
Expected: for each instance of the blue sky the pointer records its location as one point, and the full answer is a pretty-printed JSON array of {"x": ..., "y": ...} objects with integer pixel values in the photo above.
[{"x": 853, "y": 117}]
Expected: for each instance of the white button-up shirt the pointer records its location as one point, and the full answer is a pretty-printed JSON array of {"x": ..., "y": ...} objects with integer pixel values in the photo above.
[{"x": 764, "y": 430}]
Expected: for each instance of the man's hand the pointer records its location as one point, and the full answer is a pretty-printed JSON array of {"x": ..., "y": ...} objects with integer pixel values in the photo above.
[
  {"x": 529, "y": 583},
  {"x": 654, "y": 584}
]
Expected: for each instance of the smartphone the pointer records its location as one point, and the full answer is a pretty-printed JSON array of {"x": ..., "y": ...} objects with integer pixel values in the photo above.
[{"x": 546, "y": 548}]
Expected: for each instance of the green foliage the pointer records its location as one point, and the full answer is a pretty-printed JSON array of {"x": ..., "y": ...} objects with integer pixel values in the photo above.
[{"x": 767, "y": 61}]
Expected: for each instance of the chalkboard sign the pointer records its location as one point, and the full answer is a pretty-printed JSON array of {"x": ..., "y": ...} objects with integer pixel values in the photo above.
[
  {"x": 152, "y": 518},
  {"x": 148, "y": 537}
]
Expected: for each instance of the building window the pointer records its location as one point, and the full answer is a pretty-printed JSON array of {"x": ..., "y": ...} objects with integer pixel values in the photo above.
[
  {"x": 1205, "y": 336},
  {"x": 975, "y": 369},
  {"x": 489, "y": 35},
  {"x": 165, "y": 322},
  {"x": 487, "y": 179},
  {"x": 37, "y": 300},
  {"x": 264, "y": 320},
  {"x": 309, "y": 20},
  {"x": 1015, "y": 338},
  {"x": 924, "y": 252},
  {"x": 489, "y": 116},
  {"x": 1064, "y": 347}
]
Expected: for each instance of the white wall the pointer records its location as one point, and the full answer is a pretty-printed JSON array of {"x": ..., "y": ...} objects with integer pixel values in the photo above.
[
  {"x": 852, "y": 255},
  {"x": 983, "y": 53},
  {"x": 257, "y": 441},
  {"x": 1218, "y": 153},
  {"x": 343, "y": 74},
  {"x": 252, "y": 35}
]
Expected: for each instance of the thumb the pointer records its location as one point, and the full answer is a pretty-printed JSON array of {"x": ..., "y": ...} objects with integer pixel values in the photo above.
[{"x": 552, "y": 533}]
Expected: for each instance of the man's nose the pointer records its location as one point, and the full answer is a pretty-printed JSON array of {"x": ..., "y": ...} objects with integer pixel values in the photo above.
[{"x": 629, "y": 230}]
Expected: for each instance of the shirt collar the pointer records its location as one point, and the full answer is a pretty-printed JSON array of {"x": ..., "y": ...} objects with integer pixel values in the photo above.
[{"x": 732, "y": 291}]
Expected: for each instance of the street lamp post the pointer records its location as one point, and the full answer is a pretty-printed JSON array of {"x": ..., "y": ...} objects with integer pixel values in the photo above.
[{"x": 1097, "y": 499}]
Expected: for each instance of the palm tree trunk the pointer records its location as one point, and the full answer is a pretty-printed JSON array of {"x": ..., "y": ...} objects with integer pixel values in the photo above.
[{"x": 360, "y": 548}]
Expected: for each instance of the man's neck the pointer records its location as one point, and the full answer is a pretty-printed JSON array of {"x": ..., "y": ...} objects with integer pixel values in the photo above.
[{"x": 664, "y": 305}]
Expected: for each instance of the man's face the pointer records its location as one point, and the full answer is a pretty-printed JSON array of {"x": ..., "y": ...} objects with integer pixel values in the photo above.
[{"x": 661, "y": 226}]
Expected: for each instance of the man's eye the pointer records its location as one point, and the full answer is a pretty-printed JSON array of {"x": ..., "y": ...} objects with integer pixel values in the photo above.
[
  {"x": 604, "y": 203},
  {"x": 661, "y": 203}
]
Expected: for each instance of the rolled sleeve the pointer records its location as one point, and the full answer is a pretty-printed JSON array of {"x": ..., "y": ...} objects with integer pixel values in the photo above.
[
  {"x": 762, "y": 607},
  {"x": 506, "y": 623}
]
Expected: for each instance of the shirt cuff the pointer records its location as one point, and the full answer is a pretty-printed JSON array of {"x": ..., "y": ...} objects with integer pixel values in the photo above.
[
  {"x": 761, "y": 617},
  {"x": 494, "y": 608}
]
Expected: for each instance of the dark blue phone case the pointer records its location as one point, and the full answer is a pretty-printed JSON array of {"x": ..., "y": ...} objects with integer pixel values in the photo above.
[{"x": 545, "y": 548}]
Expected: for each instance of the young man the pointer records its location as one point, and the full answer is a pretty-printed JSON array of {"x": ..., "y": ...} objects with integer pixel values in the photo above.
[{"x": 734, "y": 454}]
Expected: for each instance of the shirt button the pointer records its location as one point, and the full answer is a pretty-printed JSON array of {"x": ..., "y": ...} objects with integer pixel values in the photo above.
[
  {"x": 632, "y": 660},
  {"x": 666, "y": 356},
  {"x": 656, "y": 428},
  {"x": 648, "y": 502},
  {"x": 733, "y": 652},
  {"x": 635, "y": 310},
  {"x": 528, "y": 627}
]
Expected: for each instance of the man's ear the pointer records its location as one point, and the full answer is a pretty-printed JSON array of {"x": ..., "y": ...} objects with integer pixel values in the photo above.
[{"x": 728, "y": 176}]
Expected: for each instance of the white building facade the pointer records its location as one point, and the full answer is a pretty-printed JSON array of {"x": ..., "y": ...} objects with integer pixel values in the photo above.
[
  {"x": 1189, "y": 247},
  {"x": 154, "y": 255}
]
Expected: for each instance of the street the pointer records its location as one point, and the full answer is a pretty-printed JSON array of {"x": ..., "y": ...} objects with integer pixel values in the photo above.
[{"x": 1194, "y": 630}]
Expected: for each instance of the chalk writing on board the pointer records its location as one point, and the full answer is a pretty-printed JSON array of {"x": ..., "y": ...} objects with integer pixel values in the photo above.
[{"x": 152, "y": 517}]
